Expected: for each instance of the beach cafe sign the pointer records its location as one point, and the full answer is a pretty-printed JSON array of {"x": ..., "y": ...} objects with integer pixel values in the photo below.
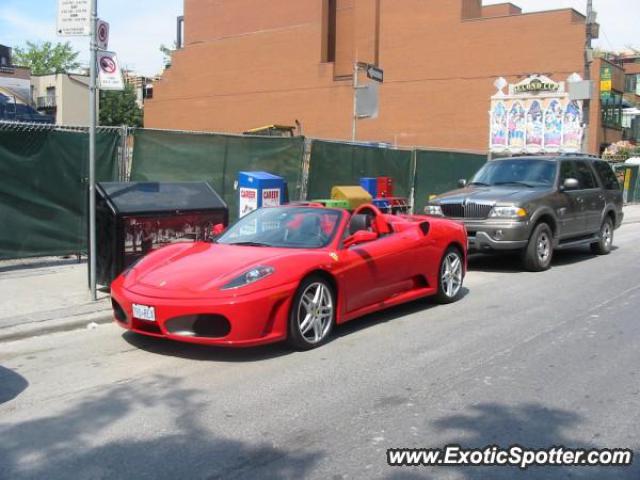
[{"x": 535, "y": 115}]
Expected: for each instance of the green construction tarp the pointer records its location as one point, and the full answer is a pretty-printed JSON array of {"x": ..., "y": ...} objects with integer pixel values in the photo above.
[
  {"x": 217, "y": 159},
  {"x": 334, "y": 163},
  {"x": 43, "y": 189},
  {"x": 439, "y": 171}
]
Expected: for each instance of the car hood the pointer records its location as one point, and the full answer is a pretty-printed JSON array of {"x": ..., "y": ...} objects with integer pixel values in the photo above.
[
  {"x": 197, "y": 268},
  {"x": 491, "y": 195}
]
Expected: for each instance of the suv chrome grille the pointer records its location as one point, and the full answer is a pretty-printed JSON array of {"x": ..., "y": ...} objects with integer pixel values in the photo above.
[{"x": 466, "y": 210}]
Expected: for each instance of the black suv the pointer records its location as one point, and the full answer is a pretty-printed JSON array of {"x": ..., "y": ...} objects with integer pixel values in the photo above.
[{"x": 537, "y": 205}]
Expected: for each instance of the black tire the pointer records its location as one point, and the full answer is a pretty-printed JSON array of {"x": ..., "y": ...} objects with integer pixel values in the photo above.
[
  {"x": 538, "y": 254},
  {"x": 605, "y": 238},
  {"x": 297, "y": 338},
  {"x": 445, "y": 295}
]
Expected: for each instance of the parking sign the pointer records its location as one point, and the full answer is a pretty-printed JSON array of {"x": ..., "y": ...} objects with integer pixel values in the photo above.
[{"x": 74, "y": 18}]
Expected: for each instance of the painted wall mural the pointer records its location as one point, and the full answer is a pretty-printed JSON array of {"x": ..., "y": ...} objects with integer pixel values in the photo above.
[
  {"x": 499, "y": 126},
  {"x": 534, "y": 116}
]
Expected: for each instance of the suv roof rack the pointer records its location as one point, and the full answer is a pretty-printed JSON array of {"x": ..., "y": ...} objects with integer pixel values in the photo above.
[{"x": 576, "y": 154}]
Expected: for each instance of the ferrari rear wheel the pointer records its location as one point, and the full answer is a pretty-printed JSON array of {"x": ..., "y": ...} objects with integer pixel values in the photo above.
[
  {"x": 451, "y": 276},
  {"x": 312, "y": 313}
]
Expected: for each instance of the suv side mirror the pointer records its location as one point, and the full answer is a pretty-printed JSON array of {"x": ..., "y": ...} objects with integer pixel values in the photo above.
[
  {"x": 462, "y": 183},
  {"x": 570, "y": 184},
  {"x": 361, "y": 236}
]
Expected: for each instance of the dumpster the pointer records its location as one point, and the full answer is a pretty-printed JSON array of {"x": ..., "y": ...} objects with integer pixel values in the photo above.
[
  {"x": 355, "y": 195},
  {"x": 370, "y": 184},
  {"x": 330, "y": 203},
  {"x": 135, "y": 218},
  {"x": 259, "y": 189}
]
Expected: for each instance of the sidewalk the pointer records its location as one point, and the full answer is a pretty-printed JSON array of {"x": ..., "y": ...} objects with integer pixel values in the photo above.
[{"x": 45, "y": 295}]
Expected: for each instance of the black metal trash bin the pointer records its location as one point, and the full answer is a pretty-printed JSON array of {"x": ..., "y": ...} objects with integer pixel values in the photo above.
[{"x": 134, "y": 218}]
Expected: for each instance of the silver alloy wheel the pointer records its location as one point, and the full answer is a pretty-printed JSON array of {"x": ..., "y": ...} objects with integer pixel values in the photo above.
[
  {"x": 543, "y": 247},
  {"x": 606, "y": 235},
  {"x": 451, "y": 275},
  {"x": 315, "y": 312}
]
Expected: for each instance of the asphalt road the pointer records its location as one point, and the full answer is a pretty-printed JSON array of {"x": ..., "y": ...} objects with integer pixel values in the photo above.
[{"x": 535, "y": 359}]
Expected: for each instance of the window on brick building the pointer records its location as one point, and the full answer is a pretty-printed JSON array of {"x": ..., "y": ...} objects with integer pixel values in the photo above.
[{"x": 329, "y": 30}]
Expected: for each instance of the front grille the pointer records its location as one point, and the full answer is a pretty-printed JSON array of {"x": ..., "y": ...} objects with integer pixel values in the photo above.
[{"x": 466, "y": 210}]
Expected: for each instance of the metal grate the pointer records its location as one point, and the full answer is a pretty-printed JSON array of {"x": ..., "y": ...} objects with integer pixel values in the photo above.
[{"x": 466, "y": 210}]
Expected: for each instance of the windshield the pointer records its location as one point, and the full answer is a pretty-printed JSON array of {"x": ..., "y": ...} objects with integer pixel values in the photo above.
[
  {"x": 287, "y": 227},
  {"x": 529, "y": 173}
]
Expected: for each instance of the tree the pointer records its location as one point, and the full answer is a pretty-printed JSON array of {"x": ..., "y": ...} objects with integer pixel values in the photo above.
[
  {"x": 46, "y": 58},
  {"x": 120, "y": 108}
]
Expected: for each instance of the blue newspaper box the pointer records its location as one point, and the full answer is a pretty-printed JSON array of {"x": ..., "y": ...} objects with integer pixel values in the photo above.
[{"x": 259, "y": 189}]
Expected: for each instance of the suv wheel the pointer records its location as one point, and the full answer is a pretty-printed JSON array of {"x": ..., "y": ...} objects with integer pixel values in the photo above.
[
  {"x": 539, "y": 252},
  {"x": 605, "y": 238}
]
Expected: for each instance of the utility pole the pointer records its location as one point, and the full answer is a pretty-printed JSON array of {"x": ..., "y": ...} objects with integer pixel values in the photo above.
[
  {"x": 588, "y": 58},
  {"x": 92, "y": 149}
]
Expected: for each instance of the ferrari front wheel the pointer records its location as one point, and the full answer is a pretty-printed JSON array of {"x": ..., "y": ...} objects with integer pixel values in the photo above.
[
  {"x": 451, "y": 275},
  {"x": 312, "y": 313}
]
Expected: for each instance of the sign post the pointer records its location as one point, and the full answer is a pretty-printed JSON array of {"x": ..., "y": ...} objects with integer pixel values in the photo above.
[
  {"x": 369, "y": 95},
  {"x": 92, "y": 149}
]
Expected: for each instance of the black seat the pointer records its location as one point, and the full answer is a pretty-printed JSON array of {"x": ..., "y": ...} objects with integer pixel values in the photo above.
[{"x": 359, "y": 222}]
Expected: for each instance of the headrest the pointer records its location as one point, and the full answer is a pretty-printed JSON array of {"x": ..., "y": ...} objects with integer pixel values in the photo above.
[{"x": 359, "y": 221}]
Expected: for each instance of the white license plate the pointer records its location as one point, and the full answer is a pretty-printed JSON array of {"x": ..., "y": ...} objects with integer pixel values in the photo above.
[{"x": 144, "y": 312}]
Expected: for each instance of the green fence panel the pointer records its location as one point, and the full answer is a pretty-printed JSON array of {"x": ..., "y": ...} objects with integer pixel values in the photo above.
[
  {"x": 217, "y": 159},
  {"x": 439, "y": 171},
  {"x": 43, "y": 190},
  {"x": 334, "y": 163}
]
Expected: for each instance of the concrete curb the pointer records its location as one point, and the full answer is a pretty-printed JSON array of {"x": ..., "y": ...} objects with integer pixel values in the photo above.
[{"x": 34, "y": 329}]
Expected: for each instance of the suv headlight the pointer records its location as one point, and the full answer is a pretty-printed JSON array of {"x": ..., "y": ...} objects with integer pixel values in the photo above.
[
  {"x": 508, "y": 212},
  {"x": 249, "y": 277},
  {"x": 434, "y": 210}
]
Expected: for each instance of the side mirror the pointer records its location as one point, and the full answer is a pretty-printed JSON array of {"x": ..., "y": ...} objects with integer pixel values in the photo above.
[
  {"x": 570, "y": 184},
  {"x": 217, "y": 229},
  {"x": 361, "y": 236},
  {"x": 462, "y": 183}
]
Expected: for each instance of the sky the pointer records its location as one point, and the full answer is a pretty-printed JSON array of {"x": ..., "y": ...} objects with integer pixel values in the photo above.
[
  {"x": 618, "y": 19},
  {"x": 139, "y": 27}
]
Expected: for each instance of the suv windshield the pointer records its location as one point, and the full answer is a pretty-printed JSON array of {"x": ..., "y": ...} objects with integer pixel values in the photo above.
[
  {"x": 529, "y": 173},
  {"x": 285, "y": 227}
]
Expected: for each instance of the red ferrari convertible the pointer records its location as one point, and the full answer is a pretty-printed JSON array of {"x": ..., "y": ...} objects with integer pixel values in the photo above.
[{"x": 292, "y": 273}]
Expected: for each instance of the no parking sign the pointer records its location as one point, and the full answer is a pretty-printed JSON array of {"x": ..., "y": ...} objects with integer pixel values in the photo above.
[{"x": 102, "y": 34}]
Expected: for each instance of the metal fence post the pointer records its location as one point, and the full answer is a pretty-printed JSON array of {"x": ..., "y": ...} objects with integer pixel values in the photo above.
[{"x": 306, "y": 164}]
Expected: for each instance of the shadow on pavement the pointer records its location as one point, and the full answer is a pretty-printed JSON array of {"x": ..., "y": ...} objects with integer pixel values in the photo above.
[
  {"x": 510, "y": 262},
  {"x": 389, "y": 315},
  {"x": 530, "y": 425},
  {"x": 207, "y": 353},
  {"x": 108, "y": 434},
  {"x": 191, "y": 351},
  {"x": 11, "y": 384}
]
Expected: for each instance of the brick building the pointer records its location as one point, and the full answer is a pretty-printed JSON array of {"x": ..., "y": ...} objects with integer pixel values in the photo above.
[{"x": 247, "y": 63}]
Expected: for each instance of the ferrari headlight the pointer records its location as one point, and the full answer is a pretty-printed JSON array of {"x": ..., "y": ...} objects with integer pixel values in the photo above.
[
  {"x": 434, "y": 210},
  {"x": 508, "y": 212},
  {"x": 249, "y": 277}
]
